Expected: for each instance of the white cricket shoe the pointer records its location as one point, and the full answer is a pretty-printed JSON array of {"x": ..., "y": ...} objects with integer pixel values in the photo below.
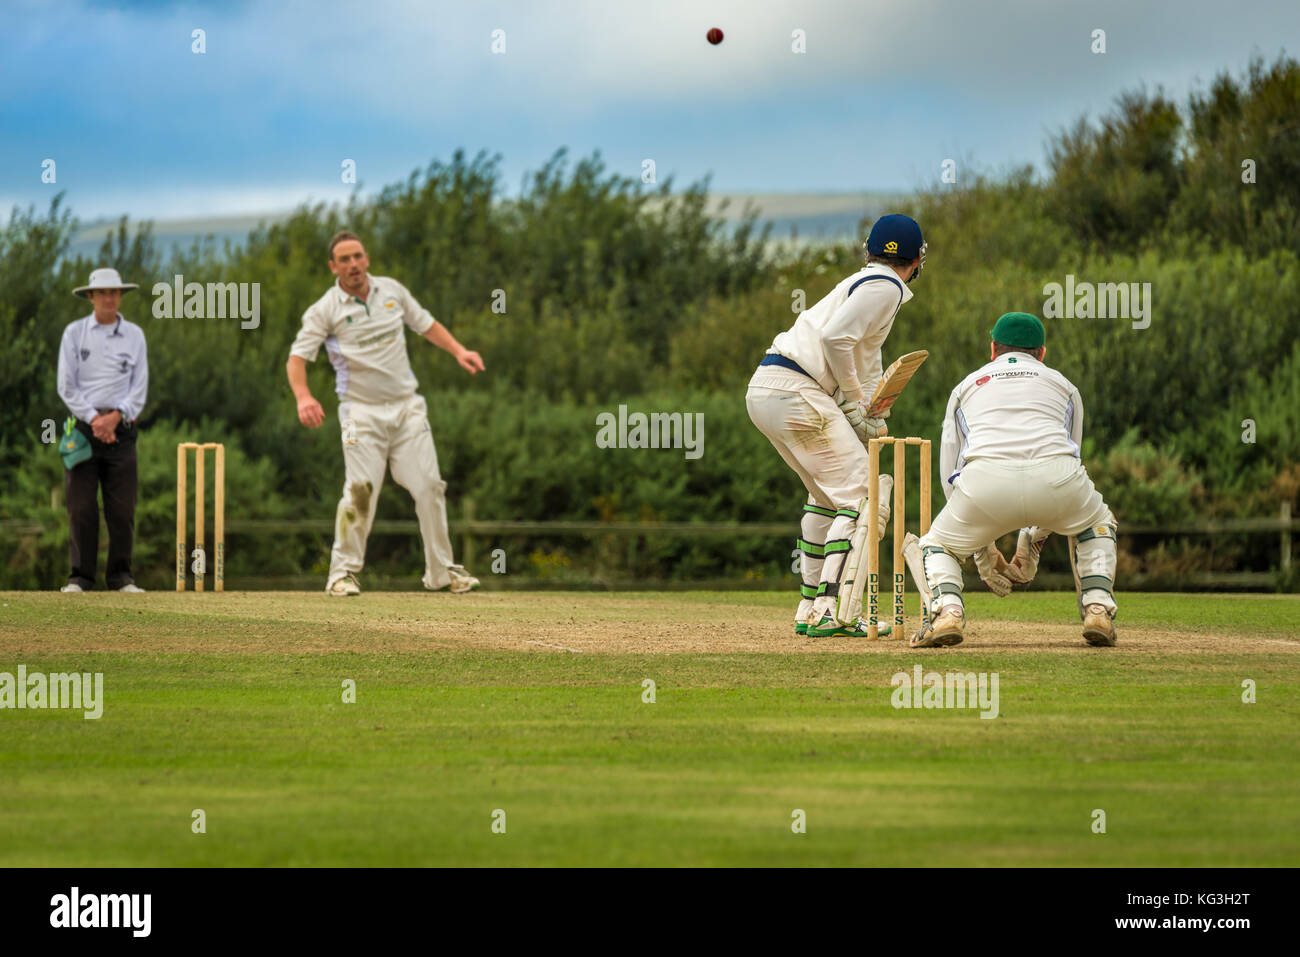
[
  {"x": 343, "y": 587},
  {"x": 131, "y": 588},
  {"x": 72, "y": 587},
  {"x": 1098, "y": 629},
  {"x": 948, "y": 628},
  {"x": 461, "y": 580}
]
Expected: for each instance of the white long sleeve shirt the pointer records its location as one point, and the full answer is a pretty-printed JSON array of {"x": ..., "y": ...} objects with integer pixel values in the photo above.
[
  {"x": 366, "y": 341},
  {"x": 838, "y": 340},
  {"x": 1014, "y": 407},
  {"x": 103, "y": 366}
]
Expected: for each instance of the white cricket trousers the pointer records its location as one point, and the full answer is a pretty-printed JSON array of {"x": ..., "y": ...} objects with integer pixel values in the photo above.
[
  {"x": 815, "y": 439},
  {"x": 992, "y": 497},
  {"x": 394, "y": 436}
]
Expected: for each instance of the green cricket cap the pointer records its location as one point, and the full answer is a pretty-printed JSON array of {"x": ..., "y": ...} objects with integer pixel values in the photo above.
[{"x": 1019, "y": 329}]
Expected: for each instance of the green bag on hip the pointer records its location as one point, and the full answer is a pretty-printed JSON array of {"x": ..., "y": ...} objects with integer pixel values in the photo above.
[{"x": 74, "y": 448}]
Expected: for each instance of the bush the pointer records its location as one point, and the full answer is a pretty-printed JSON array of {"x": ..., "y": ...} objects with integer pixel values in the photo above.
[
  {"x": 40, "y": 560},
  {"x": 1144, "y": 485}
]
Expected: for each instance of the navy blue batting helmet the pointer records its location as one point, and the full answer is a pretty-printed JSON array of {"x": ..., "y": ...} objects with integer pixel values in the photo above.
[{"x": 897, "y": 235}]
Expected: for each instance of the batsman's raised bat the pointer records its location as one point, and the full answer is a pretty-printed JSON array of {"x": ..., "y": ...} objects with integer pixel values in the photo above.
[{"x": 894, "y": 380}]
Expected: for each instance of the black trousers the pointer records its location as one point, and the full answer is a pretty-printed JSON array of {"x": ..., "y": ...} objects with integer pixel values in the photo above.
[{"x": 113, "y": 468}]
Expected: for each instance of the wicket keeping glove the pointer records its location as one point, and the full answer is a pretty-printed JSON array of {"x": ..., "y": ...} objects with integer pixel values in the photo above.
[
  {"x": 1024, "y": 566},
  {"x": 991, "y": 564}
]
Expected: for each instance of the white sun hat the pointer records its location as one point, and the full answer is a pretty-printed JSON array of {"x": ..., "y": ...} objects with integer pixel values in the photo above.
[{"x": 104, "y": 279}]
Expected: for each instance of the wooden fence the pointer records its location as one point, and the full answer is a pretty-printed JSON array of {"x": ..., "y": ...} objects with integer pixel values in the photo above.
[{"x": 472, "y": 531}]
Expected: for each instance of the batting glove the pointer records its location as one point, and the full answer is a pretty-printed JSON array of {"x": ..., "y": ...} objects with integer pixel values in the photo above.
[
  {"x": 855, "y": 410},
  {"x": 870, "y": 429}
]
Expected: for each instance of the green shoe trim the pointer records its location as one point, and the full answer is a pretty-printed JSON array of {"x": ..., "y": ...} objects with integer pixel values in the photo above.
[{"x": 835, "y": 630}]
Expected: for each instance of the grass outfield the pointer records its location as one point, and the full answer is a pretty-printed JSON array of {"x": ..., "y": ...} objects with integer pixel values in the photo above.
[{"x": 532, "y": 703}]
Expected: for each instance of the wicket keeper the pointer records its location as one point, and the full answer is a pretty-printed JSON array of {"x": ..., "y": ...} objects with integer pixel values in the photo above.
[{"x": 1010, "y": 457}]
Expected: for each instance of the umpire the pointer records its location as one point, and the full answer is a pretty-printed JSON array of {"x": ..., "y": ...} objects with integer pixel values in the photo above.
[{"x": 103, "y": 380}]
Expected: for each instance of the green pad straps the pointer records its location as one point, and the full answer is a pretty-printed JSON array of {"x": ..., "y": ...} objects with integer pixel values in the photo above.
[{"x": 811, "y": 549}]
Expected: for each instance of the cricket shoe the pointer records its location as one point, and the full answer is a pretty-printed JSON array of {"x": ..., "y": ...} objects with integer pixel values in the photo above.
[
  {"x": 461, "y": 580},
  {"x": 831, "y": 627},
  {"x": 1098, "y": 629},
  {"x": 343, "y": 587},
  {"x": 71, "y": 587},
  {"x": 131, "y": 588},
  {"x": 945, "y": 630},
  {"x": 801, "y": 616}
]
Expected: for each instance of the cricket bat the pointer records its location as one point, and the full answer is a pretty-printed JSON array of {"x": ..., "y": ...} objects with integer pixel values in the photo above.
[
  {"x": 853, "y": 578},
  {"x": 894, "y": 380}
]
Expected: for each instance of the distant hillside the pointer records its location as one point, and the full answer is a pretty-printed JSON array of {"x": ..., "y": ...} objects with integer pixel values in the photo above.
[
  {"x": 807, "y": 217},
  {"x": 175, "y": 232},
  {"x": 804, "y": 217}
]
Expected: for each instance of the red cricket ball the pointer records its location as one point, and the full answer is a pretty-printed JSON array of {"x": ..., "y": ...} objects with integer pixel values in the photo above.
[{"x": 714, "y": 36}]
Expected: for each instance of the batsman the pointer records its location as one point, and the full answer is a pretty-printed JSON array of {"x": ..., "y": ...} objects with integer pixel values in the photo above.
[
  {"x": 810, "y": 397},
  {"x": 1010, "y": 457}
]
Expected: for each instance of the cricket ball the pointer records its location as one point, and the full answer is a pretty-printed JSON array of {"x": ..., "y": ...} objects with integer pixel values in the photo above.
[{"x": 714, "y": 36}]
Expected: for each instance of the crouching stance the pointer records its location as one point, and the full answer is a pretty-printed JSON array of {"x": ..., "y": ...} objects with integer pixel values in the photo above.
[
  {"x": 809, "y": 397},
  {"x": 1010, "y": 457}
]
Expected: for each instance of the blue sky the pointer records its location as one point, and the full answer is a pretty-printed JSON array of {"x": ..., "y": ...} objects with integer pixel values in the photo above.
[{"x": 139, "y": 124}]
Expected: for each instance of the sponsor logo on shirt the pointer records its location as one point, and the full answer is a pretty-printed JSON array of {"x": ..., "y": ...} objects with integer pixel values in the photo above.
[
  {"x": 381, "y": 337},
  {"x": 982, "y": 379}
]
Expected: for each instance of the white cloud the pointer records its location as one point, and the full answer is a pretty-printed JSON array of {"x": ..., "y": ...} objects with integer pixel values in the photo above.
[
  {"x": 421, "y": 63},
  {"x": 426, "y": 59},
  {"x": 884, "y": 92}
]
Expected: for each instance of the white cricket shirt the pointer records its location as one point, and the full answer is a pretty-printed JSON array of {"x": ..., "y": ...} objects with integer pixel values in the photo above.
[
  {"x": 366, "y": 341},
  {"x": 1014, "y": 407},
  {"x": 838, "y": 340},
  {"x": 103, "y": 366}
]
